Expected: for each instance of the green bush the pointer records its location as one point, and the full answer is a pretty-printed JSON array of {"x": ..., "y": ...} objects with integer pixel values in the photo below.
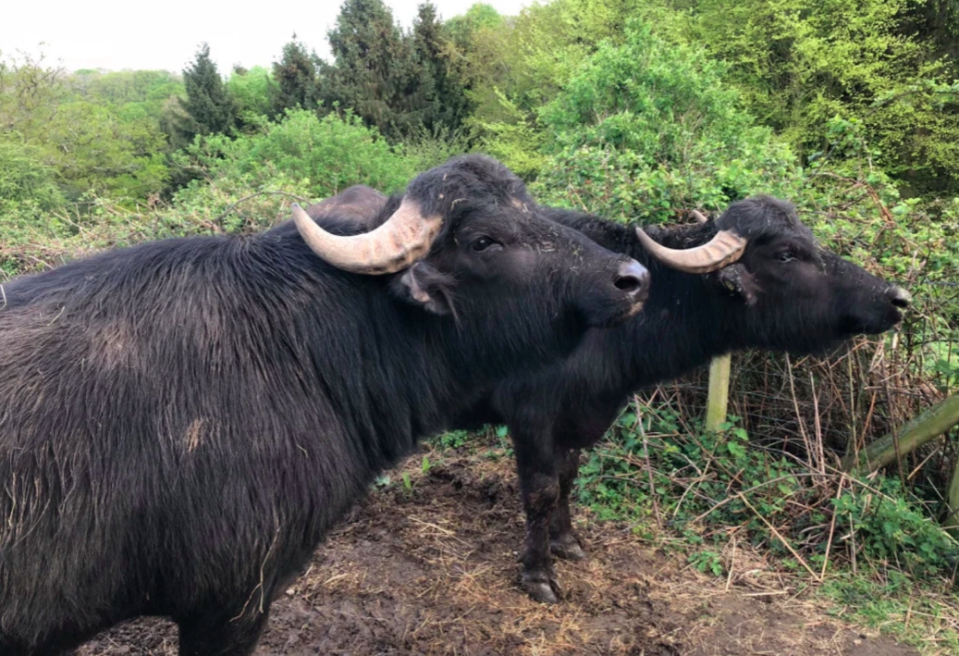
[
  {"x": 646, "y": 128},
  {"x": 725, "y": 482},
  {"x": 25, "y": 180},
  {"x": 323, "y": 156},
  {"x": 799, "y": 63},
  {"x": 251, "y": 92},
  {"x": 301, "y": 156}
]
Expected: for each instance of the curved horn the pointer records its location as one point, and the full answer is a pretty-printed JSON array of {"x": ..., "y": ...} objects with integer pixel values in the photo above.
[
  {"x": 699, "y": 216},
  {"x": 725, "y": 248},
  {"x": 396, "y": 244}
]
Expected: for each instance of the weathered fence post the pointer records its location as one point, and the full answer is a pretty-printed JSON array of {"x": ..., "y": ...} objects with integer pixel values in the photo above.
[
  {"x": 927, "y": 425},
  {"x": 718, "y": 399}
]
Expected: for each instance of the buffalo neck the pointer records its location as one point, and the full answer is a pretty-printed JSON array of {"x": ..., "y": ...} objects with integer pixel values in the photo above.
[
  {"x": 403, "y": 373},
  {"x": 684, "y": 323}
]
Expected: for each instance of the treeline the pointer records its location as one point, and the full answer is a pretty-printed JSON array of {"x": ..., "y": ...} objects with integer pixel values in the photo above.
[
  {"x": 885, "y": 70},
  {"x": 629, "y": 107},
  {"x": 403, "y": 84},
  {"x": 66, "y": 136}
]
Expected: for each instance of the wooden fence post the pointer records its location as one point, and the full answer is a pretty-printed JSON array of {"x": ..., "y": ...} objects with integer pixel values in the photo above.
[
  {"x": 718, "y": 399},
  {"x": 927, "y": 425}
]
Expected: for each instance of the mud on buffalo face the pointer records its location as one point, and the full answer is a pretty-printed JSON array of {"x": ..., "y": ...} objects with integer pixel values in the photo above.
[
  {"x": 493, "y": 257},
  {"x": 799, "y": 296}
]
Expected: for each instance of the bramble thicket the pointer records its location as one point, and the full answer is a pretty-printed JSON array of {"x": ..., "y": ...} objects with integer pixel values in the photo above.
[{"x": 634, "y": 110}]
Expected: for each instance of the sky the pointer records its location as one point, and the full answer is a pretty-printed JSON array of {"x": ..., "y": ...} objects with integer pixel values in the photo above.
[{"x": 117, "y": 35}]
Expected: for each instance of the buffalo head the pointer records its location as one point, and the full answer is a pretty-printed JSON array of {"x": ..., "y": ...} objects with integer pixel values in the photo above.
[
  {"x": 467, "y": 240},
  {"x": 792, "y": 293}
]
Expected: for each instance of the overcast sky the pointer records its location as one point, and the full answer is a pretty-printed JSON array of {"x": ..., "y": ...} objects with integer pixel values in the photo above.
[{"x": 164, "y": 34}]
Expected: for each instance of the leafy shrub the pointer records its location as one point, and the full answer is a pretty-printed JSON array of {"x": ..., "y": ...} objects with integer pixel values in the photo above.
[
  {"x": 25, "y": 179},
  {"x": 645, "y": 128},
  {"x": 693, "y": 478},
  {"x": 799, "y": 63},
  {"x": 243, "y": 185},
  {"x": 323, "y": 156},
  {"x": 251, "y": 92}
]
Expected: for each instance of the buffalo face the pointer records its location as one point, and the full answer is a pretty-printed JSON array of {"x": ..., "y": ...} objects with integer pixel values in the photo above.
[{"x": 797, "y": 295}]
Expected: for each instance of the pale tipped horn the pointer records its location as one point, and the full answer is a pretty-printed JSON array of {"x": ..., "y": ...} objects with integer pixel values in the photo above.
[
  {"x": 699, "y": 216},
  {"x": 725, "y": 248},
  {"x": 396, "y": 244}
]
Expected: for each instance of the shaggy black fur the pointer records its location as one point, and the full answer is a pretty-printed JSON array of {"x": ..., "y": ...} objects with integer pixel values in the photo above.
[{"x": 181, "y": 422}]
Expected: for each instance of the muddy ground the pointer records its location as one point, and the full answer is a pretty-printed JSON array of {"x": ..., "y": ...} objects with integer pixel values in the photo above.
[{"x": 433, "y": 570}]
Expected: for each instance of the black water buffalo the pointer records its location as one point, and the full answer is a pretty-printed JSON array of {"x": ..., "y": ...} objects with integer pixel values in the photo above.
[
  {"x": 358, "y": 204},
  {"x": 754, "y": 278},
  {"x": 182, "y": 421}
]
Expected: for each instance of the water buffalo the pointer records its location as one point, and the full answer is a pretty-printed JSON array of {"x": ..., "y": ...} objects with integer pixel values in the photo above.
[
  {"x": 754, "y": 278},
  {"x": 358, "y": 204},
  {"x": 181, "y": 422}
]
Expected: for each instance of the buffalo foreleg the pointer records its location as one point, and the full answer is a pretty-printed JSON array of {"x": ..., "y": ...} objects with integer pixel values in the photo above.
[
  {"x": 539, "y": 484},
  {"x": 563, "y": 541},
  {"x": 219, "y": 634}
]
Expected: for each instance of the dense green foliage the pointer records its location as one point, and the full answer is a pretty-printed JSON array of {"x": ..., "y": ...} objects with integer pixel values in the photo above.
[
  {"x": 644, "y": 128},
  {"x": 251, "y": 90},
  {"x": 91, "y": 132},
  {"x": 25, "y": 180},
  {"x": 400, "y": 83},
  {"x": 441, "y": 91},
  {"x": 374, "y": 72},
  {"x": 312, "y": 157},
  {"x": 800, "y": 63}
]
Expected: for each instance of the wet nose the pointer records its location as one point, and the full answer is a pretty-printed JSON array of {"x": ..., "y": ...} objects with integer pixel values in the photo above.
[
  {"x": 899, "y": 296},
  {"x": 633, "y": 278}
]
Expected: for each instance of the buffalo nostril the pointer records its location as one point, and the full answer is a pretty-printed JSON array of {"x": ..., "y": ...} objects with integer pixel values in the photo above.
[
  {"x": 632, "y": 278},
  {"x": 899, "y": 296}
]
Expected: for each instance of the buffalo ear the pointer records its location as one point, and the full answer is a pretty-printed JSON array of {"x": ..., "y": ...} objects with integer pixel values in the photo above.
[
  {"x": 736, "y": 280},
  {"x": 426, "y": 287}
]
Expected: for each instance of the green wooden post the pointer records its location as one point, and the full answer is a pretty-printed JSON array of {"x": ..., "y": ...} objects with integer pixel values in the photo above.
[
  {"x": 951, "y": 522},
  {"x": 718, "y": 399},
  {"x": 927, "y": 425}
]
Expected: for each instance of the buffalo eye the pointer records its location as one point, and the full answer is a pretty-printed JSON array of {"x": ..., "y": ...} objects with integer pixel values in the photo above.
[
  {"x": 785, "y": 256},
  {"x": 481, "y": 244}
]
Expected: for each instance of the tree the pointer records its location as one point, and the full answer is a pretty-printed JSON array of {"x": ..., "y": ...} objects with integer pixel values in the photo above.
[
  {"x": 646, "y": 127},
  {"x": 252, "y": 92},
  {"x": 375, "y": 71},
  {"x": 441, "y": 92},
  {"x": 296, "y": 79},
  {"x": 84, "y": 141},
  {"x": 479, "y": 16},
  {"x": 25, "y": 179},
  {"x": 29, "y": 94},
  {"x": 208, "y": 105},
  {"x": 800, "y": 63}
]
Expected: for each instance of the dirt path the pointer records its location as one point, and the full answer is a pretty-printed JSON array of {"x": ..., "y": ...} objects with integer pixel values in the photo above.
[{"x": 433, "y": 571}]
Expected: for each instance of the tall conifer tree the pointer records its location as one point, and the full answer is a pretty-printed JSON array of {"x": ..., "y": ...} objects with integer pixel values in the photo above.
[
  {"x": 296, "y": 78},
  {"x": 440, "y": 93},
  {"x": 375, "y": 72},
  {"x": 209, "y": 106}
]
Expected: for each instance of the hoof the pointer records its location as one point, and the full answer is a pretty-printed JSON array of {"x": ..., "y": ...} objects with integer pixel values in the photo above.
[
  {"x": 541, "y": 592},
  {"x": 542, "y": 586},
  {"x": 567, "y": 547}
]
